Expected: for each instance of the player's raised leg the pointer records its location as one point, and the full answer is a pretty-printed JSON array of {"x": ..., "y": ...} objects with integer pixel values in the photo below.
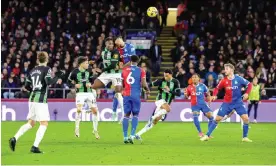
[
  {"x": 97, "y": 84},
  {"x": 161, "y": 110}
]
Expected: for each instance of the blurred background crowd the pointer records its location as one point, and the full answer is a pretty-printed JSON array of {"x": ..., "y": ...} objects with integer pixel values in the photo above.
[
  {"x": 66, "y": 30},
  {"x": 214, "y": 32},
  {"x": 209, "y": 34}
]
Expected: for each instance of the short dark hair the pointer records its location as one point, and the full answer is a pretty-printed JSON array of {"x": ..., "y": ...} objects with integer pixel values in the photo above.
[
  {"x": 42, "y": 57},
  {"x": 134, "y": 58},
  {"x": 108, "y": 39},
  {"x": 168, "y": 71},
  {"x": 81, "y": 59}
]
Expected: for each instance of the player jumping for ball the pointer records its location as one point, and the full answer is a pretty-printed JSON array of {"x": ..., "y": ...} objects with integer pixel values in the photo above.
[
  {"x": 197, "y": 91},
  {"x": 81, "y": 78},
  {"x": 168, "y": 88},
  {"x": 39, "y": 79},
  {"x": 111, "y": 71},
  {"x": 232, "y": 84},
  {"x": 126, "y": 50}
]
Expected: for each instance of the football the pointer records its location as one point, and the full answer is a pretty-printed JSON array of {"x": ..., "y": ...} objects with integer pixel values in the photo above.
[{"x": 152, "y": 12}]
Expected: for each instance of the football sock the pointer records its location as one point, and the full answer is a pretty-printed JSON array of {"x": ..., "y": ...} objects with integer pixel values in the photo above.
[
  {"x": 39, "y": 135},
  {"x": 125, "y": 126},
  {"x": 95, "y": 122},
  {"x": 77, "y": 120},
  {"x": 212, "y": 128},
  {"x": 197, "y": 124},
  {"x": 210, "y": 122},
  {"x": 245, "y": 130},
  {"x": 115, "y": 104},
  {"x": 121, "y": 102},
  {"x": 145, "y": 129},
  {"x": 22, "y": 130},
  {"x": 134, "y": 124}
]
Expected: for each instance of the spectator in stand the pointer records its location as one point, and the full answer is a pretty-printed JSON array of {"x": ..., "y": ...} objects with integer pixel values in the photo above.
[
  {"x": 180, "y": 75},
  {"x": 181, "y": 7},
  {"x": 16, "y": 69},
  {"x": 202, "y": 70},
  {"x": 210, "y": 82},
  {"x": 155, "y": 55},
  {"x": 163, "y": 11},
  {"x": 211, "y": 72},
  {"x": 9, "y": 84}
]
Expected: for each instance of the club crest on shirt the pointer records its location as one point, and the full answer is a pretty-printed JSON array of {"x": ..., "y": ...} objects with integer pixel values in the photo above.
[
  {"x": 115, "y": 56},
  {"x": 236, "y": 82}
]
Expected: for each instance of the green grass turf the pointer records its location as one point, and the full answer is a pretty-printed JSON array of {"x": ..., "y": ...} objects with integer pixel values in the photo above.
[{"x": 166, "y": 143}]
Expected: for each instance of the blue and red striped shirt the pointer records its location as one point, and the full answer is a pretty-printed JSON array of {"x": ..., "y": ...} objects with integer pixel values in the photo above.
[
  {"x": 233, "y": 92},
  {"x": 197, "y": 93},
  {"x": 126, "y": 52},
  {"x": 132, "y": 79}
]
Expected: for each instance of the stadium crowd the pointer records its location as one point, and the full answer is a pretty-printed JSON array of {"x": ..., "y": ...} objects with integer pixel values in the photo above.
[
  {"x": 66, "y": 30},
  {"x": 217, "y": 31},
  {"x": 209, "y": 35}
]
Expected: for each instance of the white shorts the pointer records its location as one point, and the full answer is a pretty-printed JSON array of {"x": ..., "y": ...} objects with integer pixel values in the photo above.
[
  {"x": 86, "y": 97},
  {"x": 115, "y": 78},
  {"x": 159, "y": 103},
  {"x": 38, "y": 112}
]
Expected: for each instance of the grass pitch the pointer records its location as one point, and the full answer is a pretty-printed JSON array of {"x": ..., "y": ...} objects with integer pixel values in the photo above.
[{"x": 166, "y": 143}]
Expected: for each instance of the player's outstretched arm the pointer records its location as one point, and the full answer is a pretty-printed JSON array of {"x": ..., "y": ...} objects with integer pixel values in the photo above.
[
  {"x": 176, "y": 91},
  {"x": 216, "y": 90},
  {"x": 247, "y": 92},
  {"x": 186, "y": 93},
  {"x": 156, "y": 83},
  {"x": 72, "y": 80},
  {"x": 248, "y": 86},
  {"x": 209, "y": 97},
  {"x": 50, "y": 80},
  {"x": 144, "y": 81},
  {"x": 28, "y": 84},
  {"x": 145, "y": 85}
]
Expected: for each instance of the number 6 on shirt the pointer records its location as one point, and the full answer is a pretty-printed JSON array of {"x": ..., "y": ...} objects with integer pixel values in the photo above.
[{"x": 130, "y": 79}]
